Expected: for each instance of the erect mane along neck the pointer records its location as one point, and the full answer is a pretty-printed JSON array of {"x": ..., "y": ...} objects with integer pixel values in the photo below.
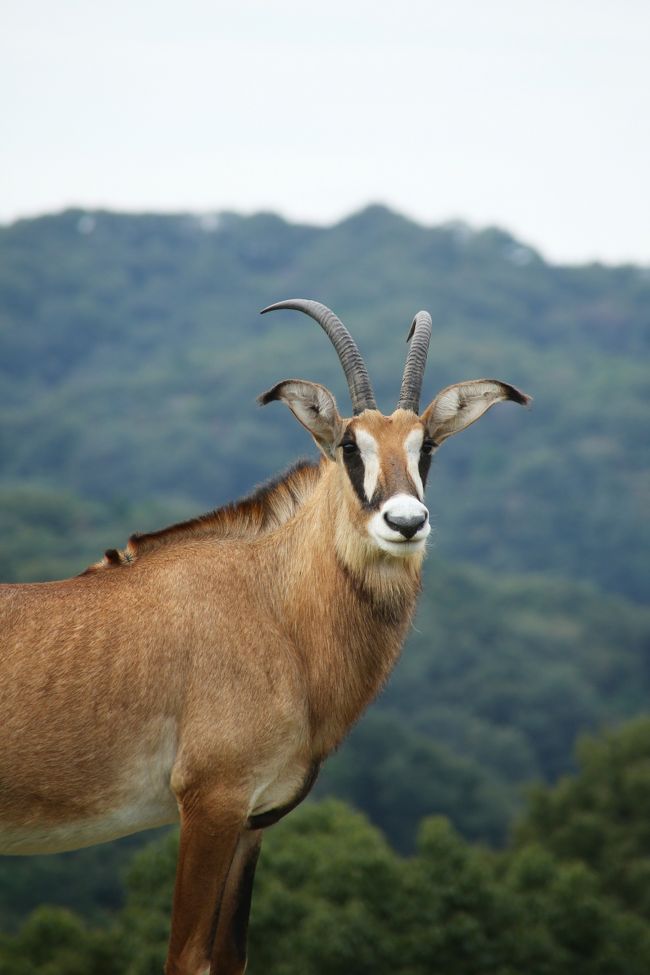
[{"x": 262, "y": 511}]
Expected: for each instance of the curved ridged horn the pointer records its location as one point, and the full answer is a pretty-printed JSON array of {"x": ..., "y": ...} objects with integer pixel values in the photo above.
[
  {"x": 346, "y": 348},
  {"x": 416, "y": 360}
]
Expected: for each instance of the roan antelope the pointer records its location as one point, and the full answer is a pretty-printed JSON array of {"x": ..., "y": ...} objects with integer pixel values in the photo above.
[{"x": 205, "y": 672}]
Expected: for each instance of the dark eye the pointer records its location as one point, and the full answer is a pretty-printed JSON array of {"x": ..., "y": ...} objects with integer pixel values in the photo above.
[
  {"x": 427, "y": 446},
  {"x": 349, "y": 447}
]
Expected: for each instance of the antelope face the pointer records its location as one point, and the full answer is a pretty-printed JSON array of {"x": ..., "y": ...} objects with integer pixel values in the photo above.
[{"x": 385, "y": 461}]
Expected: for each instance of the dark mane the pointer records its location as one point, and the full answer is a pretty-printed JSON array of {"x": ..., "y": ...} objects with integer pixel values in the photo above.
[{"x": 266, "y": 508}]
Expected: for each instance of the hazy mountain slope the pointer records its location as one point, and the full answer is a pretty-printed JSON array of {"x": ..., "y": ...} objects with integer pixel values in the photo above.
[{"x": 131, "y": 352}]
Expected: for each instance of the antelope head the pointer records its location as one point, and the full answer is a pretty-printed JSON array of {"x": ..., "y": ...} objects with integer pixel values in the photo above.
[{"x": 383, "y": 461}]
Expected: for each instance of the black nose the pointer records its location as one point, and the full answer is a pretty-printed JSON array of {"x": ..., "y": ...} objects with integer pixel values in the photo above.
[{"x": 406, "y": 526}]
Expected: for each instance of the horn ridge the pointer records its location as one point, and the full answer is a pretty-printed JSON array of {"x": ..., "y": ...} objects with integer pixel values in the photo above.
[
  {"x": 419, "y": 335},
  {"x": 350, "y": 358}
]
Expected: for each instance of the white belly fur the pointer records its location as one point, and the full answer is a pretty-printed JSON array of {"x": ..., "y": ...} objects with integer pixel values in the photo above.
[
  {"x": 141, "y": 799},
  {"x": 74, "y": 835}
]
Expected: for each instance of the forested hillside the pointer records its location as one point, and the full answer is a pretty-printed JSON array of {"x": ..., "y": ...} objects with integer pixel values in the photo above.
[{"x": 131, "y": 352}]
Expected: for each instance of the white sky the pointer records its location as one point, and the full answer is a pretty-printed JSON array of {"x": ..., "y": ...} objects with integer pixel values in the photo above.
[{"x": 531, "y": 115}]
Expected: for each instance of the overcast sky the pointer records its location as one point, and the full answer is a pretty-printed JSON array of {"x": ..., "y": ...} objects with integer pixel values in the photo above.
[{"x": 533, "y": 116}]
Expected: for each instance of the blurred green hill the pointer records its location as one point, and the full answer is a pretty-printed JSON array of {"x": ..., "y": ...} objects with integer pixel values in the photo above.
[{"x": 131, "y": 352}]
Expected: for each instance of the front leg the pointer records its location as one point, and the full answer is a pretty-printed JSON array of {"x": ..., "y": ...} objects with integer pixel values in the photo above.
[
  {"x": 229, "y": 951},
  {"x": 211, "y": 825}
]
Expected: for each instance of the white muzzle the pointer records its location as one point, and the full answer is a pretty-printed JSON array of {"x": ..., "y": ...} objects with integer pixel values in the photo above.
[{"x": 401, "y": 526}]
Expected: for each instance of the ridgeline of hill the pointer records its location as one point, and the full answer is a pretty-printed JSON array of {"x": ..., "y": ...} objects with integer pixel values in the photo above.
[{"x": 131, "y": 352}]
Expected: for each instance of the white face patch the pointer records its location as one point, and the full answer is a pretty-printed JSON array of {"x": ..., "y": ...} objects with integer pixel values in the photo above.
[
  {"x": 400, "y": 510},
  {"x": 370, "y": 456},
  {"x": 413, "y": 446}
]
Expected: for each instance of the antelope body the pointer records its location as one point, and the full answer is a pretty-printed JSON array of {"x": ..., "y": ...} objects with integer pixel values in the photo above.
[{"x": 205, "y": 672}]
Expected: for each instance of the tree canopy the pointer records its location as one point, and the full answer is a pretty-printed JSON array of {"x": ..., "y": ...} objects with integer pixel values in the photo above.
[{"x": 332, "y": 896}]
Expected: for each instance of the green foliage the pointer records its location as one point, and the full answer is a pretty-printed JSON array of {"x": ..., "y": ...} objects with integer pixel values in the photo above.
[
  {"x": 509, "y": 669},
  {"x": 498, "y": 677},
  {"x": 331, "y": 896},
  {"x": 88, "y": 881},
  {"x": 55, "y": 942},
  {"x": 398, "y": 776},
  {"x": 602, "y": 817},
  {"x": 43, "y": 530}
]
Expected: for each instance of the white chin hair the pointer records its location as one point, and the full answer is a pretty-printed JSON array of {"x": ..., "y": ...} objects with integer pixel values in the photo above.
[{"x": 400, "y": 549}]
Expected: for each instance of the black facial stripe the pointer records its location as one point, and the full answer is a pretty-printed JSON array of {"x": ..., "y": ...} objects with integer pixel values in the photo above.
[
  {"x": 423, "y": 466},
  {"x": 354, "y": 466},
  {"x": 356, "y": 472}
]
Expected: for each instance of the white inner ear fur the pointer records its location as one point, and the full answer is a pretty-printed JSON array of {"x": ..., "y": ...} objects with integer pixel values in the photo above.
[
  {"x": 413, "y": 446},
  {"x": 314, "y": 406},
  {"x": 370, "y": 456},
  {"x": 457, "y": 406}
]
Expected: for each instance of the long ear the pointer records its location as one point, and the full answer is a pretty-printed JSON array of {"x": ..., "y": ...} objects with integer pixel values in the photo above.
[
  {"x": 314, "y": 406},
  {"x": 455, "y": 407}
]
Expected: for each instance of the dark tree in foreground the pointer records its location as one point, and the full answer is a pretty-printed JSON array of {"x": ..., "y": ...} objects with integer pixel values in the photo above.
[{"x": 333, "y": 897}]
